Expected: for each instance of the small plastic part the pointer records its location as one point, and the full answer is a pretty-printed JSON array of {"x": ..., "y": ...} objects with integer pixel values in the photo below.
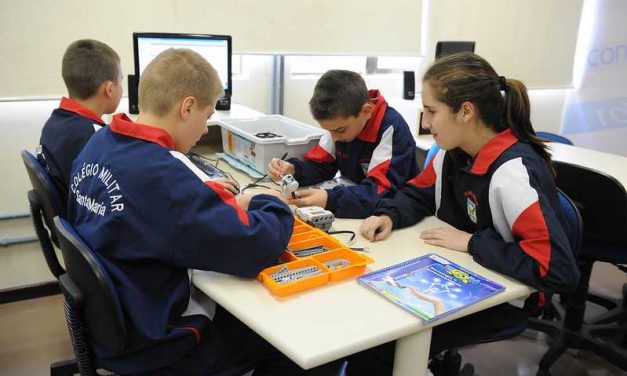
[
  {"x": 316, "y": 217},
  {"x": 289, "y": 185}
]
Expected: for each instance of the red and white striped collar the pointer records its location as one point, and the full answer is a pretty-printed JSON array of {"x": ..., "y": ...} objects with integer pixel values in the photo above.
[
  {"x": 492, "y": 150},
  {"x": 71, "y": 105},
  {"x": 121, "y": 124},
  {"x": 371, "y": 130}
]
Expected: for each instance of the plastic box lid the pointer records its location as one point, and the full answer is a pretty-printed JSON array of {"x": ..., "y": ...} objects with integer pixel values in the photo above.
[{"x": 288, "y": 131}]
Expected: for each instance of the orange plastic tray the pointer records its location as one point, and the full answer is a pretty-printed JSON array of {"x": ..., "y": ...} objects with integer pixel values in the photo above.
[{"x": 305, "y": 236}]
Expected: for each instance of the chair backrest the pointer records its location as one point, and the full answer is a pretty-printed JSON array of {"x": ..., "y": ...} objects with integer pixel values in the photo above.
[
  {"x": 102, "y": 312},
  {"x": 554, "y": 137},
  {"x": 433, "y": 150},
  {"x": 573, "y": 218},
  {"x": 601, "y": 200},
  {"x": 46, "y": 192}
]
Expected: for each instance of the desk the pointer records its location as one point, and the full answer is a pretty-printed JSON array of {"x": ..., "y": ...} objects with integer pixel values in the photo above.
[
  {"x": 611, "y": 164},
  {"x": 333, "y": 321}
]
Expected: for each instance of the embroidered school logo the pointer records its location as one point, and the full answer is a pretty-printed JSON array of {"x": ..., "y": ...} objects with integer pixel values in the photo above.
[
  {"x": 365, "y": 166},
  {"x": 471, "y": 206}
]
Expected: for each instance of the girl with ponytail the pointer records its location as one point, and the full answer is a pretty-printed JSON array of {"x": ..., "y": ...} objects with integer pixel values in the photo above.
[{"x": 492, "y": 181}]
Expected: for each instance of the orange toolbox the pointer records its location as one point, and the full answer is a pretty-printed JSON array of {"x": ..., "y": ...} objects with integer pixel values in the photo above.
[{"x": 313, "y": 258}]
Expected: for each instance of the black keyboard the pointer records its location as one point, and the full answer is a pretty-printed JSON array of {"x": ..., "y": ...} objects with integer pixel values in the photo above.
[{"x": 205, "y": 166}]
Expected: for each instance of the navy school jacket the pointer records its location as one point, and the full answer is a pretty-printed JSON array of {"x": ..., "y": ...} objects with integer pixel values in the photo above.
[
  {"x": 380, "y": 160},
  {"x": 150, "y": 215},
  {"x": 63, "y": 136},
  {"x": 506, "y": 198}
]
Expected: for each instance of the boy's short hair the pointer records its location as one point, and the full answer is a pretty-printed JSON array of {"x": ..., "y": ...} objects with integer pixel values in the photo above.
[
  {"x": 338, "y": 93},
  {"x": 173, "y": 75},
  {"x": 86, "y": 64}
]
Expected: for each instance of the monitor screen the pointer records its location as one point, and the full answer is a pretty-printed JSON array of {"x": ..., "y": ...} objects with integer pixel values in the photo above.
[
  {"x": 448, "y": 48},
  {"x": 215, "y": 48}
]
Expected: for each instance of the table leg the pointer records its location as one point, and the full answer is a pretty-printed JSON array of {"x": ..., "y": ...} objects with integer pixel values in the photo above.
[{"x": 412, "y": 354}]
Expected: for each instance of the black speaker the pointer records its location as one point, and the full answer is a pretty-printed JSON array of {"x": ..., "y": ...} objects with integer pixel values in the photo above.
[
  {"x": 409, "y": 85},
  {"x": 133, "y": 107},
  {"x": 224, "y": 103}
]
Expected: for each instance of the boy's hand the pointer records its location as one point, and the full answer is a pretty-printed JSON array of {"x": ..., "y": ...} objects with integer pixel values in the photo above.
[
  {"x": 228, "y": 184},
  {"x": 450, "y": 238},
  {"x": 277, "y": 168},
  {"x": 310, "y": 197},
  {"x": 376, "y": 227}
]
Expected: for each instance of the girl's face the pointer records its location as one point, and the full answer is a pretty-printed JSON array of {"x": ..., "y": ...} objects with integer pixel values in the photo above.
[{"x": 445, "y": 126}]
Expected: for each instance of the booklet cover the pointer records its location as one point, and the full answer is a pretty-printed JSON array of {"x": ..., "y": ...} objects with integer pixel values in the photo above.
[{"x": 430, "y": 286}]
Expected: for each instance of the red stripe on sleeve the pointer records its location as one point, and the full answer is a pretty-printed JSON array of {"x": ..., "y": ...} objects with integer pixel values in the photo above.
[
  {"x": 426, "y": 178},
  {"x": 530, "y": 226},
  {"x": 380, "y": 175},
  {"x": 228, "y": 198},
  {"x": 319, "y": 155}
]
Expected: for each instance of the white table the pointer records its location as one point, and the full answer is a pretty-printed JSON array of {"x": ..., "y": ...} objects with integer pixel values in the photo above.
[
  {"x": 611, "y": 164},
  {"x": 330, "y": 322}
]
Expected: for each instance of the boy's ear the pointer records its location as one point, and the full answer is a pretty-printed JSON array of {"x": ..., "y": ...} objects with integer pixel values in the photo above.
[
  {"x": 366, "y": 109},
  {"x": 107, "y": 86},
  {"x": 186, "y": 108}
]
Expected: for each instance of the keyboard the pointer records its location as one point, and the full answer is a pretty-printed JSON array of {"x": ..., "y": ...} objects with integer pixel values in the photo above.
[{"x": 205, "y": 166}]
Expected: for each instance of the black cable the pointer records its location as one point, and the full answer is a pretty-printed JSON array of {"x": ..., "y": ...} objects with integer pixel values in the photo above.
[
  {"x": 256, "y": 182},
  {"x": 344, "y": 232}
]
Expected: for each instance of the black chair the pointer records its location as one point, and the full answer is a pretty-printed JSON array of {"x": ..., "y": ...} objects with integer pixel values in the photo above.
[
  {"x": 602, "y": 202},
  {"x": 45, "y": 204},
  {"x": 92, "y": 306}
]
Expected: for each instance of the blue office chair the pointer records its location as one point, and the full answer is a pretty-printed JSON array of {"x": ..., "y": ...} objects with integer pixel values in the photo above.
[
  {"x": 602, "y": 202},
  {"x": 550, "y": 323},
  {"x": 554, "y": 137},
  {"x": 433, "y": 150},
  {"x": 45, "y": 204}
]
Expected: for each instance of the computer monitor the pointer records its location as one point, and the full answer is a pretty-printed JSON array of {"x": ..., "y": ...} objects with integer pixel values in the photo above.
[
  {"x": 216, "y": 49},
  {"x": 448, "y": 48}
]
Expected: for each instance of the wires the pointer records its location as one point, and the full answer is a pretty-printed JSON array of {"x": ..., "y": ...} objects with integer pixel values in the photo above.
[
  {"x": 256, "y": 184},
  {"x": 352, "y": 238}
]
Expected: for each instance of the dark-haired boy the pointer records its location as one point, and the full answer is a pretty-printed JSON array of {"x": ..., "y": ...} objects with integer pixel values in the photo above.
[
  {"x": 367, "y": 141},
  {"x": 93, "y": 78}
]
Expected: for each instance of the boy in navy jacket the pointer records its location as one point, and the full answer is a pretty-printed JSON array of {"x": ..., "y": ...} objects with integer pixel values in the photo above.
[
  {"x": 150, "y": 216},
  {"x": 367, "y": 141},
  {"x": 93, "y": 77}
]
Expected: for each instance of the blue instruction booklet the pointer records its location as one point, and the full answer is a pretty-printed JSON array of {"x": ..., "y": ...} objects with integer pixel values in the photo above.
[{"x": 430, "y": 286}]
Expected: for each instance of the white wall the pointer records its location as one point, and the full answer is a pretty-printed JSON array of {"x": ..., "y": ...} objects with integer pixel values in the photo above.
[
  {"x": 532, "y": 40},
  {"x": 35, "y": 33}
]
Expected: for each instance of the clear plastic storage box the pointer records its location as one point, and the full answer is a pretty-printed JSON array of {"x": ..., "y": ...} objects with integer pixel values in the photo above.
[{"x": 256, "y": 141}]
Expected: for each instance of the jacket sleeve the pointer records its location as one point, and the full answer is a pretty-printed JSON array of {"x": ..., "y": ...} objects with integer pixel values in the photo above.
[
  {"x": 528, "y": 241},
  {"x": 392, "y": 164},
  {"x": 214, "y": 233},
  {"x": 318, "y": 164},
  {"x": 415, "y": 200}
]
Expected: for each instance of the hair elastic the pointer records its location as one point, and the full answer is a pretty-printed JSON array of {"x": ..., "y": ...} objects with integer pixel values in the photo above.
[{"x": 503, "y": 83}]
